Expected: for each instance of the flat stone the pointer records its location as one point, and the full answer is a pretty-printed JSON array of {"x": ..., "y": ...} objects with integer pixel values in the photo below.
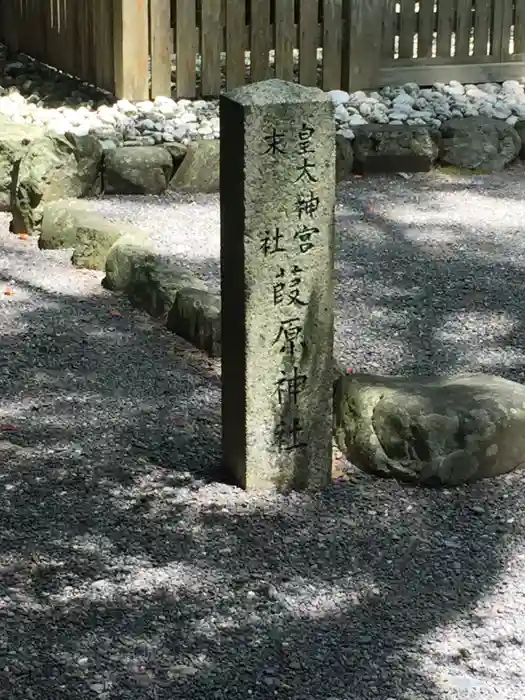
[
  {"x": 436, "y": 431},
  {"x": 479, "y": 143},
  {"x": 137, "y": 170},
  {"x": 199, "y": 171},
  {"x": 150, "y": 280},
  {"x": 392, "y": 148},
  {"x": 196, "y": 317}
]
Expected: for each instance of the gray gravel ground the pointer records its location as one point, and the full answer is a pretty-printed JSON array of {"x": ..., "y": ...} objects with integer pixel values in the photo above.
[{"x": 127, "y": 573}]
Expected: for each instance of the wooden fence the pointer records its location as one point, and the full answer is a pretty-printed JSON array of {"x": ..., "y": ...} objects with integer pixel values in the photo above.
[{"x": 142, "y": 48}]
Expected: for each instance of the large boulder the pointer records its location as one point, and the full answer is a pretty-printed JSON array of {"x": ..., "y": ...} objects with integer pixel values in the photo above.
[
  {"x": 150, "y": 279},
  {"x": 432, "y": 430},
  {"x": 387, "y": 148},
  {"x": 14, "y": 142},
  {"x": 479, "y": 143},
  {"x": 137, "y": 170},
  {"x": 200, "y": 169},
  {"x": 53, "y": 167}
]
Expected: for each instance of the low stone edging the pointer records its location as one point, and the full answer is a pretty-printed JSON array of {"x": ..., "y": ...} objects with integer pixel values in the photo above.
[{"x": 166, "y": 289}]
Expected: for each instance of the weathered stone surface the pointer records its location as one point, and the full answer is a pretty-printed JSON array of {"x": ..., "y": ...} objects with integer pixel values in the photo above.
[
  {"x": 431, "y": 430},
  {"x": 388, "y": 148},
  {"x": 14, "y": 141},
  {"x": 150, "y": 280},
  {"x": 73, "y": 223},
  {"x": 89, "y": 153},
  {"x": 344, "y": 161},
  {"x": 137, "y": 170},
  {"x": 199, "y": 171},
  {"x": 94, "y": 238},
  {"x": 60, "y": 219},
  {"x": 277, "y": 201},
  {"x": 52, "y": 168},
  {"x": 520, "y": 130},
  {"x": 479, "y": 143},
  {"x": 196, "y": 317},
  {"x": 177, "y": 151}
]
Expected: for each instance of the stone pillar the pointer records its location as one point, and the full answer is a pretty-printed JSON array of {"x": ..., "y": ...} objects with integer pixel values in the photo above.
[{"x": 277, "y": 230}]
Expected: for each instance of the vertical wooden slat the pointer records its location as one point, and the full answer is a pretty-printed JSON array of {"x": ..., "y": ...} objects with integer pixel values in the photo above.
[
  {"x": 69, "y": 32},
  {"x": 284, "y": 25},
  {"x": 463, "y": 27},
  {"x": 501, "y": 29},
  {"x": 308, "y": 29},
  {"x": 98, "y": 45},
  {"x": 425, "y": 30},
  {"x": 53, "y": 54},
  {"x": 444, "y": 27},
  {"x": 36, "y": 37},
  {"x": 482, "y": 12},
  {"x": 90, "y": 38},
  {"x": 332, "y": 42},
  {"x": 235, "y": 33},
  {"x": 260, "y": 40},
  {"x": 131, "y": 49},
  {"x": 211, "y": 29},
  {"x": 519, "y": 27},
  {"x": 186, "y": 48},
  {"x": 62, "y": 34},
  {"x": 87, "y": 50},
  {"x": 160, "y": 52},
  {"x": 388, "y": 42},
  {"x": 106, "y": 32},
  {"x": 407, "y": 29},
  {"x": 362, "y": 44}
]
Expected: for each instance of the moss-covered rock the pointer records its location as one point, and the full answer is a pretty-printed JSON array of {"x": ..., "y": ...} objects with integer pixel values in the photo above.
[
  {"x": 150, "y": 280},
  {"x": 53, "y": 167},
  {"x": 431, "y": 430},
  {"x": 137, "y": 170}
]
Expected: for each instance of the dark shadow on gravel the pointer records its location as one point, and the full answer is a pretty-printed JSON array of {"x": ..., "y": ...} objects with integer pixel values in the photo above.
[{"x": 127, "y": 573}]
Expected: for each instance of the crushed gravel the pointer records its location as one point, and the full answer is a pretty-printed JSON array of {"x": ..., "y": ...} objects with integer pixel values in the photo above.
[
  {"x": 430, "y": 270},
  {"x": 127, "y": 572}
]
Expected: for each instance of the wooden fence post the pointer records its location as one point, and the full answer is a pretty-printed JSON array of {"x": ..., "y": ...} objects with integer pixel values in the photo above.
[
  {"x": 362, "y": 39},
  {"x": 131, "y": 46}
]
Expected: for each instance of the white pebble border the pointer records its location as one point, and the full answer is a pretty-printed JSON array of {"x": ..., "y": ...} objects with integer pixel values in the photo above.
[{"x": 166, "y": 120}]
